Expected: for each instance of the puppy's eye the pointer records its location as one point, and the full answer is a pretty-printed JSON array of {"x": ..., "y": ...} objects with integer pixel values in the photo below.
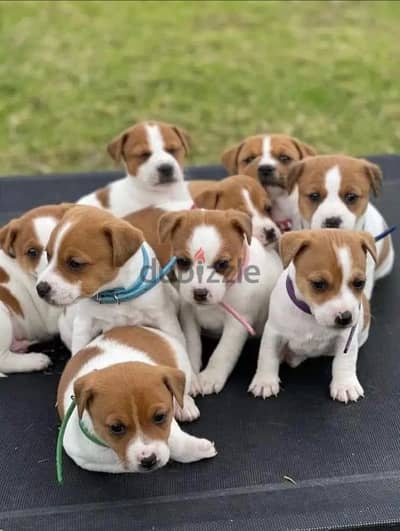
[
  {"x": 117, "y": 428},
  {"x": 249, "y": 159},
  {"x": 183, "y": 263},
  {"x": 75, "y": 265},
  {"x": 32, "y": 252},
  {"x": 144, "y": 155},
  {"x": 221, "y": 266},
  {"x": 172, "y": 151},
  {"x": 319, "y": 285},
  {"x": 285, "y": 159},
  {"x": 268, "y": 209},
  {"x": 314, "y": 197},
  {"x": 159, "y": 418},
  {"x": 359, "y": 283},
  {"x": 350, "y": 198}
]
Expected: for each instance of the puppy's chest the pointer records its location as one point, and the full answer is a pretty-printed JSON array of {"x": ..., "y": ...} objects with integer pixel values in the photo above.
[
  {"x": 210, "y": 318},
  {"x": 312, "y": 342}
]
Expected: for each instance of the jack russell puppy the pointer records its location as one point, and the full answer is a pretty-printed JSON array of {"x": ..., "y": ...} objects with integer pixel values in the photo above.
[
  {"x": 25, "y": 318},
  {"x": 153, "y": 154},
  {"x": 225, "y": 278},
  {"x": 268, "y": 158},
  {"x": 124, "y": 385},
  {"x": 318, "y": 308},
  {"x": 332, "y": 191}
]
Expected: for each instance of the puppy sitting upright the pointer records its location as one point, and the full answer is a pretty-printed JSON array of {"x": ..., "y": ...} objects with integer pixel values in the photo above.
[
  {"x": 25, "y": 318},
  {"x": 332, "y": 191},
  {"x": 269, "y": 158},
  {"x": 225, "y": 278},
  {"x": 317, "y": 308},
  {"x": 153, "y": 154}
]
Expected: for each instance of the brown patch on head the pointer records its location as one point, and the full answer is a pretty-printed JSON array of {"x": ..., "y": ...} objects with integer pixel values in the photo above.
[
  {"x": 19, "y": 240},
  {"x": 358, "y": 179},
  {"x": 131, "y": 394},
  {"x": 98, "y": 242},
  {"x": 103, "y": 196},
  {"x": 132, "y": 145}
]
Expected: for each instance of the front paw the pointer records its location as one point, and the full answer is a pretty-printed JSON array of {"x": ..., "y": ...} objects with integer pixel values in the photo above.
[
  {"x": 210, "y": 381},
  {"x": 189, "y": 412},
  {"x": 204, "y": 449},
  {"x": 194, "y": 385},
  {"x": 264, "y": 386},
  {"x": 346, "y": 391}
]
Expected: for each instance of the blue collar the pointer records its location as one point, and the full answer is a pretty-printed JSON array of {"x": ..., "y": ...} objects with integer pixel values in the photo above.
[{"x": 139, "y": 287}]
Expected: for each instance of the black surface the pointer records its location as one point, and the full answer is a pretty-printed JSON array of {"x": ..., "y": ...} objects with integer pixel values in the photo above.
[{"x": 345, "y": 459}]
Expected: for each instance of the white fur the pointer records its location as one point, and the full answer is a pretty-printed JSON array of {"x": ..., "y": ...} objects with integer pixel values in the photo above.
[
  {"x": 86, "y": 454},
  {"x": 43, "y": 227},
  {"x": 260, "y": 222}
]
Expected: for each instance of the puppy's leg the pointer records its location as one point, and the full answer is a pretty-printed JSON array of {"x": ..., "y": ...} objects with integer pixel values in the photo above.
[
  {"x": 186, "y": 448},
  {"x": 266, "y": 380},
  {"x": 82, "y": 333},
  {"x": 189, "y": 412},
  {"x": 212, "y": 379},
  {"x": 345, "y": 386},
  {"x": 191, "y": 330}
]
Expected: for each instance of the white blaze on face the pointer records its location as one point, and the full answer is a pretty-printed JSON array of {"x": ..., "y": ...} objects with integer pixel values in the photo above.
[
  {"x": 148, "y": 171},
  {"x": 266, "y": 153},
  {"x": 43, "y": 228},
  {"x": 261, "y": 223},
  {"x": 140, "y": 448},
  {"x": 333, "y": 206},
  {"x": 345, "y": 300}
]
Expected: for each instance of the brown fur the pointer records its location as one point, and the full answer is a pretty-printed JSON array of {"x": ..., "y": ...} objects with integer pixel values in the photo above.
[
  {"x": 4, "y": 277},
  {"x": 103, "y": 196},
  {"x": 8, "y": 299}
]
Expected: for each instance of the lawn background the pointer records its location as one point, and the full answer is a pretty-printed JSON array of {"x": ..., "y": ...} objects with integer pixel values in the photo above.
[{"x": 73, "y": 74}]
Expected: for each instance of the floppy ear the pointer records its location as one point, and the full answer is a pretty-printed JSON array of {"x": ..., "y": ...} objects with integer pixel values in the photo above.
[
  {"x": 116, "y": 146},
  {"x": 240, "y": 222},
  {"x": 8, "y": 235},
  {"x": 304, "y": 149},
  {"x": 368, "y": 244},
  {"x": 208, "y": 199},
  {"x": 168, "y": 223},
  {"x": 83, "y": 393},
  {"x": 175, "y": 381},
  {"x": 229, "y": 158},
  {"x": 291, "y": 244},
  {"x": 294, "y": 175},
  {"x": 374, "y": 175},
  {"x": 183, "y": 137},
  {"x": 124, "y": 240}
]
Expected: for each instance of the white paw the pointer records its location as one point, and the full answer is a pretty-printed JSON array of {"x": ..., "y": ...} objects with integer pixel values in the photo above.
[
  {"x": 194, "y": 385},
  {"x": 35, "y": 361},
  {"x": 189, "y": 412},
  {"x": 264, "y": 386},
  {"x": 205, "y": 449},
  {"x": 210, "y": 381},
  {"x": 348, "y": 391}
]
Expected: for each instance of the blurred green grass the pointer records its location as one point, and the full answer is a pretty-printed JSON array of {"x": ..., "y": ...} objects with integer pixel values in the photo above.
[{"x": 73, "y": 74}]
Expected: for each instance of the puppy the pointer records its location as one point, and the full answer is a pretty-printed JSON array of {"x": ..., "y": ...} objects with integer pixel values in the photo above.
[
  {"x": 124, "y": 384},
  {"x": 25, "y": 318},
  {"x": 269, "y": 158},
  {"x": 333, "y": 191},
  {"x": 218, "y": 265},
  {"x": 317, "y": 303},
  {"x": 153, "y": 154}
]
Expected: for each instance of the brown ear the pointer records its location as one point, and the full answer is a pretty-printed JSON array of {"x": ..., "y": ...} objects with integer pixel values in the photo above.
[
  {"x": 8, "y": 235},
  {"x": 230, "y": 157},
  {"x": 116, "y": 146},
  {"x": 124, "y": 240},
  {"x": 240, "y": 222},
  {"x": 374, "y": 175},
  {"x": 294, "y": 175},
  {"x": 291, "y": 244},
  {"x": 304, "y": 149},
  {"x": 208, "y": 199},
  {"x": 175, "y": 381},
  {"x": 168, "y": 223},
  {"x": 83, "y": 393},
  {"x": 368, "y": 244},
  {"x": 183, "y": 137}
]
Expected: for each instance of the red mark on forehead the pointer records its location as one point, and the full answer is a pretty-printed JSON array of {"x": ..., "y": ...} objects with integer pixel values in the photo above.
[{"x": 199, "y": 255}]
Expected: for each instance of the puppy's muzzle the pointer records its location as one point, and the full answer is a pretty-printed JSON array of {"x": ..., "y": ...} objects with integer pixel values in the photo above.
[
  {"x": 148, "y": 463},
  {"x": 332, "y": 223},
  {"x": 268, "y": 175},
  {"x": 200, "y": 294},
  {"x": 344, "y": 319},
  {"x": 165, "y": 173},
  {"x": 43, "y": 289},
  {"x": 270, "y": 236}
]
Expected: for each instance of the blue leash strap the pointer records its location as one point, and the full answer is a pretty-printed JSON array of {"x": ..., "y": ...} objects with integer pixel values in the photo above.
[{"x": 385, "y": 233}]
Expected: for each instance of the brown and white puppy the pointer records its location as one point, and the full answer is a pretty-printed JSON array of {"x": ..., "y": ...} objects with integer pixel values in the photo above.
[
  {"x": 25, "y": 318},
  {"x": 316, "y": 302},
  {"x": 333, "y": 191},
  {"x": 125, "y": 383},
  {"x": 269, "y": 158},
  {"x": 153, "y": 155}
]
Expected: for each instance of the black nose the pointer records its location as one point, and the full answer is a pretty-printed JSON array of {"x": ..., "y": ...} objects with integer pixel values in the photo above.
[
  {"x": 332, "y": 223},
  {"x": 149, "y": 462},
  {"x": 266, "y": 170},
  {"x": 43, "y": 288},
  {"x": 343, "y": 319},
  {"x": 270, "y": 235},
  {"x": 166, "y": 172},
  {"x": 200, "y": 294}
]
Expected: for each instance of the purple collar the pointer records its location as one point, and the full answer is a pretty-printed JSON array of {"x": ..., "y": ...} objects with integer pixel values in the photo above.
[{"x": 301, "y": 305}]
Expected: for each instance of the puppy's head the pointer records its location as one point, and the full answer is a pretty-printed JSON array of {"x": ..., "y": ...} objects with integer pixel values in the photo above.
[
  {"x": 267, "y": 158},
  {"x": 131, "y": 408},
  {"x": 86, "y": 251},
  {"x": 152, "y": 152},
  {"x": 330, "y": 271},
  {"x": 243, "y": 193},
  {"x": 210, "y": 250},
  {"x": 25, "y": 238},
  {"x": 333, "y": 191}
]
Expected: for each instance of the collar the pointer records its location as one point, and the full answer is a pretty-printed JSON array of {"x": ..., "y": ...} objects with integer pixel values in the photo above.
[
  {"x": 139, "y": 287},
  {"x": 90, "y": 435},
  {"x": 385, "y": 233},
  {"x": 301, "y": 305}
]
